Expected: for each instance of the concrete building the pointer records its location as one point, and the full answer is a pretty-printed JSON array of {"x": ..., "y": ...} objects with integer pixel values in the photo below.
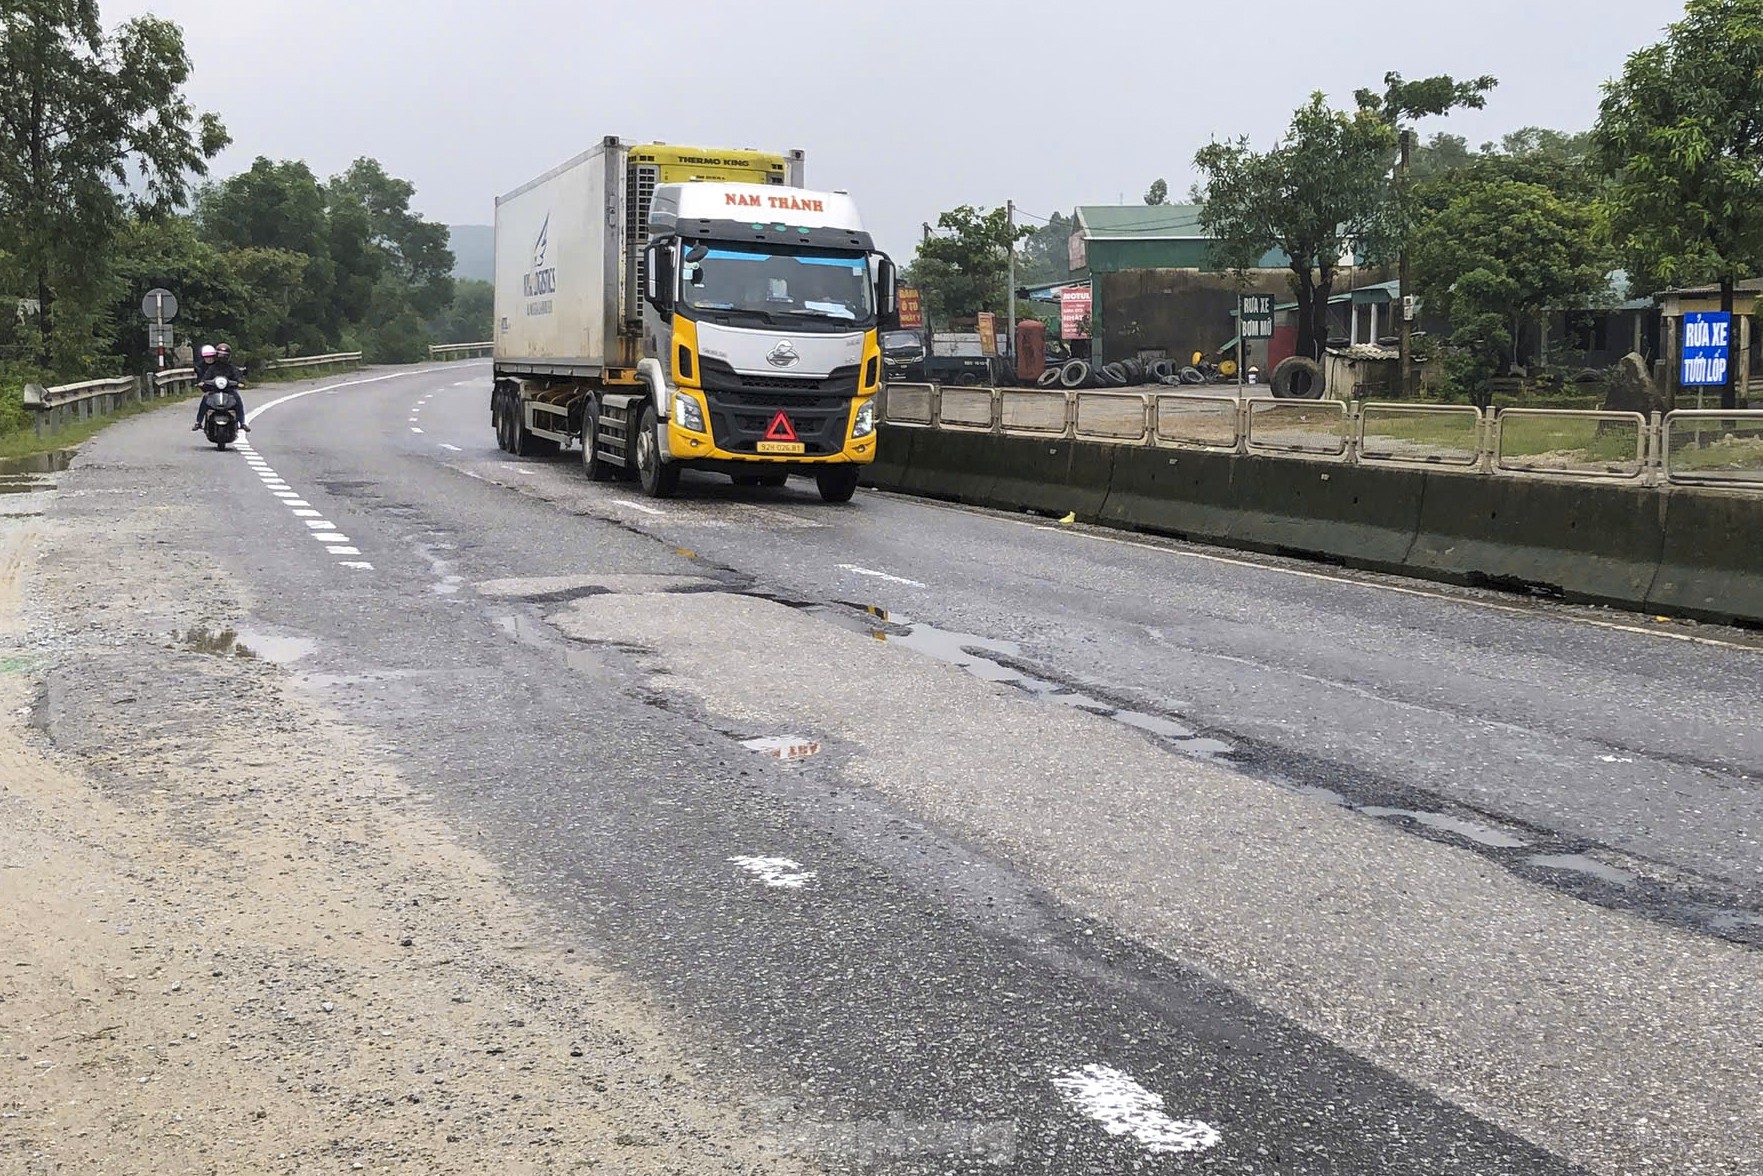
[{"x": 1155, "y": 291}]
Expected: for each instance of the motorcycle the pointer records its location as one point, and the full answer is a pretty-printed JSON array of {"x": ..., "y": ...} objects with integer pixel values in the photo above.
[{"x": 220, "y": 420}]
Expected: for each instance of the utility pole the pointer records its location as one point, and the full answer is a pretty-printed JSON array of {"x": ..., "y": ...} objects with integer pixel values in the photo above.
[
  {"x": 1404, "y": 279},
  {"x": 1010, "y": 315}
]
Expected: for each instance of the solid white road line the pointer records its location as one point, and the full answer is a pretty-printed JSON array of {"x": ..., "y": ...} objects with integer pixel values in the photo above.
[
  {"x": 857, "y": 571},
  {"x": 776, "y": 872},
  {"x": 1123, "y": 1107}
]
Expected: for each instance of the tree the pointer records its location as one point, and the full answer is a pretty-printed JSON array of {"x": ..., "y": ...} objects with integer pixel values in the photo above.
[
  {"x": 1158, "y": 192},
  {"x": 91, "y": 126},
  {"x": 1321, "y": 191},
  {"x": 1046, "y": 252},
  {"x": 966, "y": 270},
  {"x": 1682, "y": 133},
  {"x": 470, "y": 317},
  {"x": 415, "y": 249},
  {"x": 1401, "y": 102},
  {"x": 1497, "y": 252}
]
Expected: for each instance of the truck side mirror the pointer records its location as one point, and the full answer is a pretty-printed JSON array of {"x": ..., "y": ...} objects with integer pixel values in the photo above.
[
  {"x": 658, "y": 281},
  {"x": 887, "y": 294}
]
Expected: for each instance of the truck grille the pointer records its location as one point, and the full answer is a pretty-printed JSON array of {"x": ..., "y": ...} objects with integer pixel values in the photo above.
[
  {"x": 743, "y": 407},
  {"x": 721, "y": 376}
]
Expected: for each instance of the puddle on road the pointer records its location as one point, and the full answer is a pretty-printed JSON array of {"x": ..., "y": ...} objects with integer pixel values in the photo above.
[
  {"x": 967, "y": 651},
  {"x": 37, "y": 464},
  {"x": 1473, "y": 830},
  {"x": 279, "y": 648},
  {"x": 541, "y": 636},
  {"x": 30, "y": 475},
  {"x": 1579, "y": 863}
]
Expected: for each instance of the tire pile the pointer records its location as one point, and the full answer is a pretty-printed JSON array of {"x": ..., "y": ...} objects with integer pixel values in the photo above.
[
  {"x": 1294, "y": 379},
  {"x": 1127, "y": 373}
]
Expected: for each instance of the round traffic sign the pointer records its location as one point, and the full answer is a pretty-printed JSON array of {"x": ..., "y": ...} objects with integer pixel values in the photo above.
[{"x": 160, "y": 304}]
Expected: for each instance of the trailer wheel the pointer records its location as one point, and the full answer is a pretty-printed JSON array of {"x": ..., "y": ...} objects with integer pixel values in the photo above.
[
  {"x": 499, "y": 418},
  {"x": 520, "y": 442},
  {"x": 595, "y": 466},
  {"x": 658, "y": 479},
  {"x": 838, "y": 483}
]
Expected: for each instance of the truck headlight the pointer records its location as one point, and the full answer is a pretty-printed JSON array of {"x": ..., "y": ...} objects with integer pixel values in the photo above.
[
  {"x": 865, "y": 423},
  {"x": 688, "y": 414}
]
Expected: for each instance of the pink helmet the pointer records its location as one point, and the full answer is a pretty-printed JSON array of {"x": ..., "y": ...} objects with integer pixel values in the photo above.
[{"x": 208, "y": 351}]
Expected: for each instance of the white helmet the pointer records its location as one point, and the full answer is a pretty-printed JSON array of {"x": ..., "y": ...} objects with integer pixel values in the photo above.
[{"x": 208, "y": 351}]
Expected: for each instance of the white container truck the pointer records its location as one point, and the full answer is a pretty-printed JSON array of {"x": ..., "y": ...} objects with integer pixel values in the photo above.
[{"x": 670, "y": 308}]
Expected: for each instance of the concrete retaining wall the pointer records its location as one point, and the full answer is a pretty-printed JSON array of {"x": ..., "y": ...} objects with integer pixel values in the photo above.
[{"x": 1689, "y": 552}]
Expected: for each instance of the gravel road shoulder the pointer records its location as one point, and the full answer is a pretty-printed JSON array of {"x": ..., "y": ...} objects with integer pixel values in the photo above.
[{"x": 234, "y": 940}]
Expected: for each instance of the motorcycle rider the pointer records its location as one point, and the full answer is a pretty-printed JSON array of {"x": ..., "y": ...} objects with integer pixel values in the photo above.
[{"x": 218, "y": 361}]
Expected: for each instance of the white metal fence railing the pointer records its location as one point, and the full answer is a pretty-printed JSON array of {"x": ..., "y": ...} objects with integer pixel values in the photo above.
[
  {"x": 1711, "y": 447},
  {"x": 65, "y": 404},
  {"x": 460, "y": 350}
]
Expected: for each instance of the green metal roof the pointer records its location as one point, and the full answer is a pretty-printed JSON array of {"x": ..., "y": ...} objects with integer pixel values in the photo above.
[
  {"x": 1142, "y": 221},
  {"x": 1377, "y": 293}
]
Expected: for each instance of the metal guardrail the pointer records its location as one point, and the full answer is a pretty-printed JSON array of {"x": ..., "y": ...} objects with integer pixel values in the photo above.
[
  {"x": 65, "y": 404},
  {"x": 1710, "y": 447},
  {"x": 339, "y": 359},
  {"x": 460, "y": 350}
]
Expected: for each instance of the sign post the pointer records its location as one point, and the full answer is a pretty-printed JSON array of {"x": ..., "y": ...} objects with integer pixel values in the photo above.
[
  {"x": 1254, "y": 321},
  {"x": 160, "y": 306},
  {"x": 1707, "y": 350}
]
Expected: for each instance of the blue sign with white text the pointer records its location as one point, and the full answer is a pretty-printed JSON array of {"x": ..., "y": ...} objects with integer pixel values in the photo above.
[{"x": 1707, "y": 347}]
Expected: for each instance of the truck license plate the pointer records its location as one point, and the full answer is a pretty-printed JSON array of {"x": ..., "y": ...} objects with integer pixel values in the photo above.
[{"x": 782, "y": 447}]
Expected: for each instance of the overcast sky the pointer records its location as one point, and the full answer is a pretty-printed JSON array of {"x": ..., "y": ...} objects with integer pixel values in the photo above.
[{"x": 915, "y": 106}]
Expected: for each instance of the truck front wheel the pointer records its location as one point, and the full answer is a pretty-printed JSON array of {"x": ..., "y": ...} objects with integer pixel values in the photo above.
[
  {"x": 658, "y": 479},
  {"x": 838, "y": 483}
]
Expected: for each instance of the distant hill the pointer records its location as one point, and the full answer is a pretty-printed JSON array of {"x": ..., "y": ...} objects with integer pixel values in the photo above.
[{"x": 474, "y": 251}]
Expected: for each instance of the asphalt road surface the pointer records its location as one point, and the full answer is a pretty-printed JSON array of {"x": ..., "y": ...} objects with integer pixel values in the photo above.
[{"x": 1113, "y": 854}]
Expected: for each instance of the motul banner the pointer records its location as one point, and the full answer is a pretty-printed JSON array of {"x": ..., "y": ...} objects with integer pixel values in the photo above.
[{"x": 1074, "y": 313}]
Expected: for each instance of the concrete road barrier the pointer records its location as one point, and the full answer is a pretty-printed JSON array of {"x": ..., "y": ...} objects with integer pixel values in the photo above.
[
  {"x": 1588, "y": 541},
  {"x": 1689, "y": 551},
  {"x": 1711, "y": 563}
]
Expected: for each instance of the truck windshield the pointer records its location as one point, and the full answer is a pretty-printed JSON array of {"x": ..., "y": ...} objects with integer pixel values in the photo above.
[{"x": 803, "y": 286}]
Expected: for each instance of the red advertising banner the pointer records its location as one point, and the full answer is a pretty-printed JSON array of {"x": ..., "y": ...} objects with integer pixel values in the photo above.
[
  {"x": 1074, "y": 313},
  {"x": 911, "y": 309}
]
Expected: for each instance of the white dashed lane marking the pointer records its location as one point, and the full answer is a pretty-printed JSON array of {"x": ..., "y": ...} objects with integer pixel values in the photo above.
[
  {"x": 857, "y": 571},
  {"x": 319, "y": 527},
  {"x": 776, "y": 872},
  {"x": 322, "y": 530},
  {"x": 451, "y": 448},
  {"x": 1122, "y": 1107},
  {"x": 648, "y": 510}
]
